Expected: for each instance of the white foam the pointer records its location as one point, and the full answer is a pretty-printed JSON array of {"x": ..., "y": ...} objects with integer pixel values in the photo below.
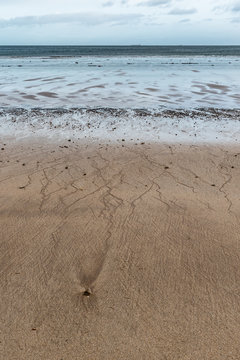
[{"x": 127, "y": 125}]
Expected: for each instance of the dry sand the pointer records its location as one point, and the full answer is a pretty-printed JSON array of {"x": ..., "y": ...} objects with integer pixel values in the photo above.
[{"x": 111, "y": 252}]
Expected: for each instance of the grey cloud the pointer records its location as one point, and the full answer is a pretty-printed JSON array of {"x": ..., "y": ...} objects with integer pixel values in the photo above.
[
  {"x": 236, "y": 8},
  {"x": 108, "y": 4},
  {"x": 86, "y": 19},
  {"x": 184, "y": 20},
  {"x": 235, "y": 20},
  {"x": 177, "y": 11},
  {"x": 154, "y": 2},
  {"x": 227, "y": 8}
]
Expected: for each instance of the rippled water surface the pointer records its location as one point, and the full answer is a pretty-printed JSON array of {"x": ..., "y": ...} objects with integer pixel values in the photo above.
[{"x": 120, "y": 81}]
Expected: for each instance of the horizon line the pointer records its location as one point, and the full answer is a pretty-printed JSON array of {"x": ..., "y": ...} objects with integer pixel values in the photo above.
[{"x": 117, "y": 45}]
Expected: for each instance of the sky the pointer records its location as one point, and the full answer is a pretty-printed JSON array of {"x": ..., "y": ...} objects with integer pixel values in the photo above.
[{"x": 120, "y": 22}]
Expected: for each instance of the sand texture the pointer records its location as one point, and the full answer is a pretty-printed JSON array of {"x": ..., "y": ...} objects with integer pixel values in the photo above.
[{"x": 119, "y": 252}]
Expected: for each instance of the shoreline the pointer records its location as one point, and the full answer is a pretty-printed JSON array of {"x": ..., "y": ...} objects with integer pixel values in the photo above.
[{"x": 186, "y": 126}]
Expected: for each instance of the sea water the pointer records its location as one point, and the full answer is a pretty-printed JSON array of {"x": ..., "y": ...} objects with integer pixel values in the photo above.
[{"x": 86, "y": 82}]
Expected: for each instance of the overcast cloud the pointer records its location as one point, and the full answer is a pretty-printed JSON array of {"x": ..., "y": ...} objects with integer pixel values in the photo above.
[
  {"x": 178, "y": 11},
  {"x": 119, "y": 22},
  {"x": 155, "y": 3},
  {"x": 84, "y": 19}
]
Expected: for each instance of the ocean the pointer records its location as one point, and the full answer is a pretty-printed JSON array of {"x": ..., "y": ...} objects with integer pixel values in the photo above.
[
  {"x": 134, "y": 50},
  {"x": 117, "y": 82}
]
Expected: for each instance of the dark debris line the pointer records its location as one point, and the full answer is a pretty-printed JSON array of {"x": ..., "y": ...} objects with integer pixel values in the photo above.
[{"x": 209, "y": 113}]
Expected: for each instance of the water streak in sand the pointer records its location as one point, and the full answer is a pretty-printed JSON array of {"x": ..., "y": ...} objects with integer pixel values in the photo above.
[{"x": 119, "y": 252}]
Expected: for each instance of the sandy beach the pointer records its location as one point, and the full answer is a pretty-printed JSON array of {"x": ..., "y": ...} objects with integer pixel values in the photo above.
[{"x": 119, "y": 250}]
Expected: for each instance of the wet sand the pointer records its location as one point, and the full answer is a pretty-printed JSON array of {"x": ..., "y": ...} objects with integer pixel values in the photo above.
[{"x": 119, "y": 251}]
